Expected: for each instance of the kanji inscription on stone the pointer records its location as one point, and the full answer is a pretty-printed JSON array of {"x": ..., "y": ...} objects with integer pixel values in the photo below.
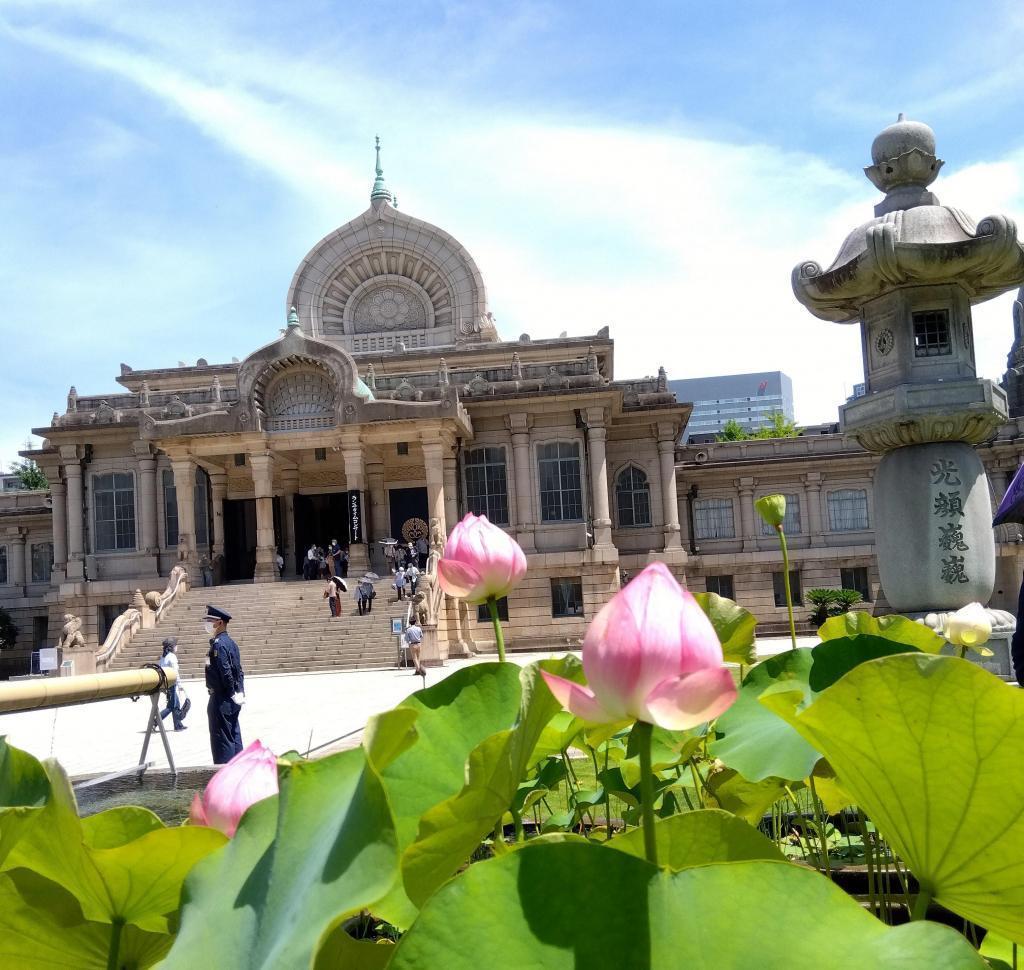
[
  {"x": 953, "y": 570},
  {"x": 945, "y": 472},
  {"x": 951, "y": 537},
  {"x": 949, "y": 504}
]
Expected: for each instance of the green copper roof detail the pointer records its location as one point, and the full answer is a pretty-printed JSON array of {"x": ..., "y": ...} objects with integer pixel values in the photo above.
[
  {"x": 363, "y": 391},
  {"x": 380, "y": 189},
  {"x": 293, "y": 318}
]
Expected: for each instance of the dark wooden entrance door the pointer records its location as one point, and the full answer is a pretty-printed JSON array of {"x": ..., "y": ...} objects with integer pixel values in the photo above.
[
  {"x": 408, "y": 513},
  {"x": 318, "y": 520},
  {"x": 239, "y": 539}
]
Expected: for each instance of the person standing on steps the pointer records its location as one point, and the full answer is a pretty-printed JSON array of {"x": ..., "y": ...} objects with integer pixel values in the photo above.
[
  {"x": 364, "y": 596},
  {"x": 344, "y": 562},
  {"x": 335, "y": 587},
  {"x": 412, "y": 577},
  {"x": 399, "y": 582},
  {"x": 225, "y": 682},
  {"x": 422, "y": 550}
]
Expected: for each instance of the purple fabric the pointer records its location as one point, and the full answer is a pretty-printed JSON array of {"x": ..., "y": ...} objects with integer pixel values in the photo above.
[{"x": 1011, "y": 508}]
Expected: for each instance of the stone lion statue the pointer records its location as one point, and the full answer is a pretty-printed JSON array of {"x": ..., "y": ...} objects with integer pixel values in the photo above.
[{"x": 71, "y": 633}]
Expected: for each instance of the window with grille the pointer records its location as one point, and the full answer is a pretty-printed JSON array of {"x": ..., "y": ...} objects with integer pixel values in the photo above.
[
  {"x": 931, "y": 333},
  {"x": 42, "y": 561},
  {"x": 170, "y": 509},
  {"x": 791, "y": 523},
  {"x": 848, "y": 510},
  {"x": 779, "y": 588},
  {"x": 113, "y": 498},
  {"x": 487, "y": 484},
  {"x": 567, "y": 597},
  {"x": 633, "y": 498},
  {"x": 240, "y": 459},
  {"x": 561, "y": 491},
  {"x": 3, "y": 566},
  {"x": 713, "y": 518},
  {"x": 856, "y": 577},
  {"x": 722, "y": 585},
  {"x": 483, "y": 613}
]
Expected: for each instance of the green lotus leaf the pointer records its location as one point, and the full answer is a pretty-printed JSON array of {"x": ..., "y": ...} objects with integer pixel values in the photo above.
[
  {"x": 560, "y": 732},
  {"x": 930, "y": 747},
  {"x": 24, "y": 789},
  {"x": 450, "y": 831},
  {"x": 697, "y": 838},
  {"x": 895, "y": 627},
  {"x": 42, "y": 928},
  {"x": 421, "y": 747},
  {"x": 834, "y": 658},
  {"x": 571, "y": 905},
  {"x": 752, "y": 739},
  {"x": 298, "y": 865},
  {"x": 734, "y": 626},
  {"x": 118, "y": 826},
  {"x": 747, "y": 799},
  {"x": 339, "y": 951}
]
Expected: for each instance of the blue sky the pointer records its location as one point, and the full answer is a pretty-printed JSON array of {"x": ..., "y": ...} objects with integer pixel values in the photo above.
[{"x": 659, "y": 168}]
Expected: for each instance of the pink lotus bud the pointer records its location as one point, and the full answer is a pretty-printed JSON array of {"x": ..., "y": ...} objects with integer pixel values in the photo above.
[
  {"x": 249, "y": 777},
  {"x": 480, "y": 560},
  {"x": 650, "y": 654}
]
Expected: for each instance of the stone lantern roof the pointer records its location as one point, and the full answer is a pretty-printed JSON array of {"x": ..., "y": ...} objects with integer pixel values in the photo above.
[{"x": 913, "y": 240}]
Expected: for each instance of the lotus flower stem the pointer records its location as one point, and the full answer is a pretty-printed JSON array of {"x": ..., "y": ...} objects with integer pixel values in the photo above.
[
  {"x": 819, "y": 817},
  {"x": 785, "y": 580},
  {"x": 643, "y": 732},
  {"x": 492, "y": 606},
  {"x": 113, "y": 961},
  {"x": 921, "y": 905}
]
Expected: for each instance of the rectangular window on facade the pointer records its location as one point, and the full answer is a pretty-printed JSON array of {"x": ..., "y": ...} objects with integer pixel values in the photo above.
[
  {"x": 561, "y": 489},
  {"x": 791, "y": 523},
  {"x": 483, "y": 614},
  {"x": 42, "y": 561},
  {"x": 108, "y": 613},
  {"x": 567, "y": 597},
  {"x": 113, "y": 499},
  {"x": 633, "y": 498},
  {"x": 170, "y": 509},
  {"x": 931, "y": 333},
  {"x": 402, "y": 447},
  {"x": 713, "y": 518},
  {"x": 3, "y": 566},
  {"x": 319, "y": 454},
  {"x": 487, "y": 484},
  {"x": 856, "y": 577},
  {"x": 240, "y": 459},
  {"x": 848, "y": 510},
  {"x": 779, "y": 588},
  {"x": 722, "y": 585}
]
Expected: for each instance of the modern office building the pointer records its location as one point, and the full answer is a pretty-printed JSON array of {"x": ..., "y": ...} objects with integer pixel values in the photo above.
[{"x": 748, "y": 399}]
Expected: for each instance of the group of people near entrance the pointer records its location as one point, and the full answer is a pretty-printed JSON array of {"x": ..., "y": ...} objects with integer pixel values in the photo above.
[
  {"x": 321, "y": 563},
  {"x": 413, "y": 553}
]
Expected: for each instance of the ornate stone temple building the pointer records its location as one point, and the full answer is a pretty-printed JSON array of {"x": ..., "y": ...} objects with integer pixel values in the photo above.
[{"x": 387, "y": 407}]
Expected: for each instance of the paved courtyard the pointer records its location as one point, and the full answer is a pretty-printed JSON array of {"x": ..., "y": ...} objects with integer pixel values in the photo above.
[{"x": 296, "y": 711}]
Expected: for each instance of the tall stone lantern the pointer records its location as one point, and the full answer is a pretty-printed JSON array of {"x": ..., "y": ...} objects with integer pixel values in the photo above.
[{"x": 909, "y": 277}]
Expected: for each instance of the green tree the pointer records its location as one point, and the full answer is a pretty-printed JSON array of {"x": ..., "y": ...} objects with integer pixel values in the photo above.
[
  {"x": 8, "y": 631},
  {"x": 777, "y": 427},
  {"x": 30, "y": 474},
  {"x": 733, "y": 431}
]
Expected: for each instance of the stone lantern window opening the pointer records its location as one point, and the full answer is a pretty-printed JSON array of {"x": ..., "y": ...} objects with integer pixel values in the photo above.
[{"x": 931, "y": 333}]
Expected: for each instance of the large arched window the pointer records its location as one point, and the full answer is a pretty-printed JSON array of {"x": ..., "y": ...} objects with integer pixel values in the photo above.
[{"x": 633, "y": 498}]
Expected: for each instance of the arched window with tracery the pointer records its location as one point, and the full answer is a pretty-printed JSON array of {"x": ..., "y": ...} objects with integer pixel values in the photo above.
[{"x": 633, "y": 498}]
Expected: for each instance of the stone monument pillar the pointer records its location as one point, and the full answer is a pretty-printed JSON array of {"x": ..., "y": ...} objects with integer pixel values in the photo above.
[{"x": 909, "y": 277}]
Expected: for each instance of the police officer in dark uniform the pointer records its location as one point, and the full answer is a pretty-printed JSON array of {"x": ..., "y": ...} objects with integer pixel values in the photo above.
[{"x": 226, "y": 683}]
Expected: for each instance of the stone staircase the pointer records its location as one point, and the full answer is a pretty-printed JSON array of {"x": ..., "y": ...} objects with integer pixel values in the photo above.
[{"x": 279, "y": 628}]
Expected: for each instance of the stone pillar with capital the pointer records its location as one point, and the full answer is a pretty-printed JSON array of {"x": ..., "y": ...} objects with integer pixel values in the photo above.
[
  {"x": 147, "y": 504},
  {"x": 59, "y": 519},
  {"x": 184, "y": 471},
  {"x": 377, "y": 522},
  {"x": 266, "y": 548},
  {"x": 355, "y": 482},
  {"x": 218, "y": 492},
  {"x": 667, "y": 437},
  {"x": 16, "y": 560},
  {"x": 451, "y": 496},
  {"x": 812, "y": 489},
  {"x": 519, "y": 424},
  {"x": 745, "y": 487},
  {"x": 434, "y": 452},
  {"x": 289, "y": 486},
  {"x": 597, "y": 435},
  {"x": 75, "y": 508}
]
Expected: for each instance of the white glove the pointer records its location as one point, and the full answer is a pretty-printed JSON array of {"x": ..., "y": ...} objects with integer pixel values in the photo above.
[{"x": 238, "y": 698}]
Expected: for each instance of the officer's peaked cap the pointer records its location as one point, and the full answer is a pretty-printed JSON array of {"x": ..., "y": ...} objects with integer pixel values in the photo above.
[{"x": 212, "y": 613}]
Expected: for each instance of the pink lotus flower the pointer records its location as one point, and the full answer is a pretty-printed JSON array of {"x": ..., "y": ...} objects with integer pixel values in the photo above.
[
  {"x": 249, "y": 777},
  {"x": 480, "y": 561},
  {"x": 650, "y": 654}
]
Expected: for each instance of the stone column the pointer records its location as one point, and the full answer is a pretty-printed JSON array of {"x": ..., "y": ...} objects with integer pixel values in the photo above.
[
  {"x": 266, "y": 549},
  {"x": 59, "y": 520},
  {"x": 601, "y": 516},
  {"x": 184, "y": 471},
  {"x": 433, "y": 460},
  {"x": 76, "y": 538},
  {"x": 519, "y": 424},
  {"x": 377, "y": 520},
  {"x": 16, "y": 561},
  {"x": 289, "y": 486},
  {"x": 669, "y": 494},
  {"x": 451, "y": 495},
  {"x": 218, "y": 492},
  {"x": 147, "y": 502},
  {"x": 745, "y": 487},
  {"x": 355, "y": 482},
  {"x": 812, "y": 491}
]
